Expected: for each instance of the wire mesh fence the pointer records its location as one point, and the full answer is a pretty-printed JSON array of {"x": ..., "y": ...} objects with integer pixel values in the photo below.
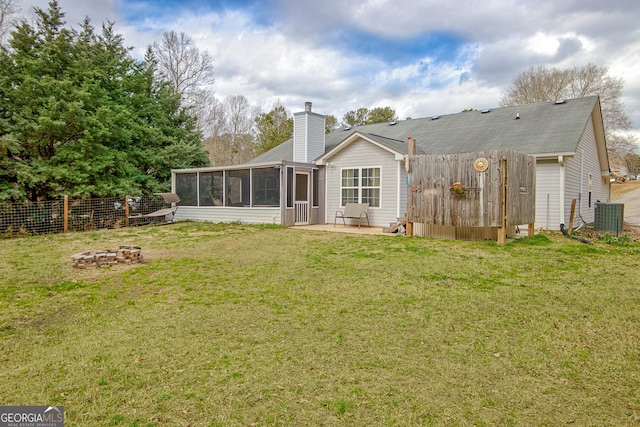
[
  {"x": 58, "y": 216},
  {"x": 31, "y": 218}
]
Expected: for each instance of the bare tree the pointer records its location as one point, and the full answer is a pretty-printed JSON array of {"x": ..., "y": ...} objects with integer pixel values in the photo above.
[
  {"x": 204, "y": 105},
  {"x": 231, "y": 139},
  {"x": 8, "y": 9},
  {"x": 189, "y": 72},
  {"x": 239, "y": 113},
  {"x": 182, "y": 65},
  {"x": 553, "y": 84}
]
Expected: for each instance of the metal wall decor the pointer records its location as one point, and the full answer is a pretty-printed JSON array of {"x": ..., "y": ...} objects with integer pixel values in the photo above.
[{"x": 481, "y": 164}]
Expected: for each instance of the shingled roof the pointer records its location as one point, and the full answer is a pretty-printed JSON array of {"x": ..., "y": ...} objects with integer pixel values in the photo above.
[{"x": 539, "y": 129}]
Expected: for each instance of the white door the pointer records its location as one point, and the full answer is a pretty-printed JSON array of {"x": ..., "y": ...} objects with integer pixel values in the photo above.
[
  {"x": 549, "y": 182},
  {"x": 302, "y": 198}
]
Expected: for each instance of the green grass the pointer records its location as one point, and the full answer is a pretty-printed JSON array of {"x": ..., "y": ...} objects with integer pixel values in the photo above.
[{"x": 246, "y": 325}]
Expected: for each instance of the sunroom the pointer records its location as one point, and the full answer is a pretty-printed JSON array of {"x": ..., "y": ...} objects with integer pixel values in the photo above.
[{"x": 284, "y": 193}]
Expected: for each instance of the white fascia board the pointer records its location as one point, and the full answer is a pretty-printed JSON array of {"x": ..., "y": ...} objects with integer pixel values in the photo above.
[
  {"x": 232, "y": 167},
  {"x": 553, "y": 156},
  {"x": 353, "y": 137}
]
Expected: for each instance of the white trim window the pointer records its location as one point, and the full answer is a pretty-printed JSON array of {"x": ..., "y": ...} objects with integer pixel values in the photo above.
[{"x": 360, "y": 185}]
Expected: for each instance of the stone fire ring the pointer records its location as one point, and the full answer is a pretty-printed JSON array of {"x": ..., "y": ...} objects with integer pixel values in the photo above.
[{"x": 108, "y": 257}]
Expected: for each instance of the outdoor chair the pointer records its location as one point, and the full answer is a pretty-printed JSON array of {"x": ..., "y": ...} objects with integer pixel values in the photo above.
[{"x": 167, "y": 215}]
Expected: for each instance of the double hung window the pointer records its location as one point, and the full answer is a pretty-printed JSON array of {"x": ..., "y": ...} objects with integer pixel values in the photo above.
[{"x": 360, "y": 185}]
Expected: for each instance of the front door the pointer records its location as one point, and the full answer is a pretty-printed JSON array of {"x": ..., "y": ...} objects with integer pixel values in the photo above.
[{"x": 302, "y": 198}]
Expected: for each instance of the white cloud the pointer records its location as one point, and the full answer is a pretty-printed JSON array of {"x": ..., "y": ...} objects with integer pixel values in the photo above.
[
  {"x": 300, "y": 51},
  {"x": 543, "y": 44}
]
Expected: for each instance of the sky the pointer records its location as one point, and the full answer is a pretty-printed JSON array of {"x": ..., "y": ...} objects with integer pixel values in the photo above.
[{"x": 421, "y": 57}]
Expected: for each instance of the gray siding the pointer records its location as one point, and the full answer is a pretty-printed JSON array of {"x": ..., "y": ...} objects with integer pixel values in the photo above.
[
  {"x": 581, "y": 169},
  {"x": 229, "y": 214},
  {"x": 300, "y": 137},
  {"x": 402, "y": 189},
  {"x": 315, "y": 135},
  {"x": 308, "y": 136},
  {"x": 363, "y": 154}
]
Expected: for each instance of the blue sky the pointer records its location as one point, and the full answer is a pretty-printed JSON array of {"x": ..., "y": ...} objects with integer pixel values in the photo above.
[{"x": 422, "y": 58}]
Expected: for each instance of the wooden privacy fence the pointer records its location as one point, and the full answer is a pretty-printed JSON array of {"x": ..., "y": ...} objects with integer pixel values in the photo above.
[
  {"x": 60, "y": 216},
  {"x": 472, "y": 196}
]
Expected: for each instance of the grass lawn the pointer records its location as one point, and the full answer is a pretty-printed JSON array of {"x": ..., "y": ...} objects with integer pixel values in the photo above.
[{"x": 245, "y": 325}]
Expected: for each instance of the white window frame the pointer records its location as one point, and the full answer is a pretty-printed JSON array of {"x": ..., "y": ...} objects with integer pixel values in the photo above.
[{"x": 360, "y": 187}]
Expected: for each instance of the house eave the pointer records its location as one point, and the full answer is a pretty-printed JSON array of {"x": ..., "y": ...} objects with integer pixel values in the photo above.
[
  {"x": 231, "y": 167},
  {"x": 554, "y": 156},
  {"x": 322, "y": 160}
]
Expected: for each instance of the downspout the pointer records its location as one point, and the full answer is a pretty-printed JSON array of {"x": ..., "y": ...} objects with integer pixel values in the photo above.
[
  {"x": 283, "y": 193},
  {"x": 326, "y": 191},
  {"x": 399, "y": 189},
  {"x": 581, "y": 183},
  {"x": 562, "y": 184},
  {"x": 566, "y": 233}
]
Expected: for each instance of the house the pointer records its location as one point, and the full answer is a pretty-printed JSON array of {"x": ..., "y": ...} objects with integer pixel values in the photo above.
[{"x": 306, "y": 179}]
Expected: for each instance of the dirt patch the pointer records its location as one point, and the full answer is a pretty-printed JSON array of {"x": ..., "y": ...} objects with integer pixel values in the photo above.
[{"x": 630, "y": 234}]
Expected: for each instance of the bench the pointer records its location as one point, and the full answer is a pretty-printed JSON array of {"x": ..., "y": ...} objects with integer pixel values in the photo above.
[{"x": 353, "y": 211}]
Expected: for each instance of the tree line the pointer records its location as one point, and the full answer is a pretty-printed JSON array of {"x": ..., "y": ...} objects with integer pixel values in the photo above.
[{"x": 80, "y": 116}]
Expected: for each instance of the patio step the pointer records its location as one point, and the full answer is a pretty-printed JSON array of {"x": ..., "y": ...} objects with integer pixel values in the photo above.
[{"x": 394, "y": 226}]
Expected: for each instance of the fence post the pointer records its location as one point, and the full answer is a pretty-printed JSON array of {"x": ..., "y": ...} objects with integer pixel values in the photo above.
[
  {"x": 411, "y": 150},
  {"x": 573, "y": 211},
  {"x": 65, "y": 214},
  {"x": 502, "y": 230},
  {"x": 126, "y": 210}
]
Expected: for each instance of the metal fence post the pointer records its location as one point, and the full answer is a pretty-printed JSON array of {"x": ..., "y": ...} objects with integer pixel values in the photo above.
[
  {"x": 65, "y": 214},
  {"x": 126, "y": 210}
]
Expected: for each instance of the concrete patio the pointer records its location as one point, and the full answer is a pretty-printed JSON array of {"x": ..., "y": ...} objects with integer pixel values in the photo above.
[{"x": 352, "y": 229}]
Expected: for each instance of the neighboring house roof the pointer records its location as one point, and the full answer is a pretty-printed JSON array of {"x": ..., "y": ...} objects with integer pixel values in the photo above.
[{"x": 542, "y": 128}]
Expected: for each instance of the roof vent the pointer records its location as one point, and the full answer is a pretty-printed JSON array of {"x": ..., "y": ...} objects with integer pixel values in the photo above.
[
  {"x": 347, "y": 127},
  {"x": 435, "y": 117},
  {"x": 561, "y": 101},
  {"x": 393, "y": 123},
  {"x": 517, "y": 116},
  {"x": 485, "y": 111}
]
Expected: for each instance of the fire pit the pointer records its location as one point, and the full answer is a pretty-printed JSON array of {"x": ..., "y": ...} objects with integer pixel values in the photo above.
[{"x": 108, "y": 257}]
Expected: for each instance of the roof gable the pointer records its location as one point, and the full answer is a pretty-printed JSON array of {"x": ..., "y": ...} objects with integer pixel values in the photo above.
[{"x": 393, "y": 146}]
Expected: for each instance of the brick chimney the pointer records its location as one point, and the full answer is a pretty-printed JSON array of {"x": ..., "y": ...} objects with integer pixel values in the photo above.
[{"x": 308, "y": 135}]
